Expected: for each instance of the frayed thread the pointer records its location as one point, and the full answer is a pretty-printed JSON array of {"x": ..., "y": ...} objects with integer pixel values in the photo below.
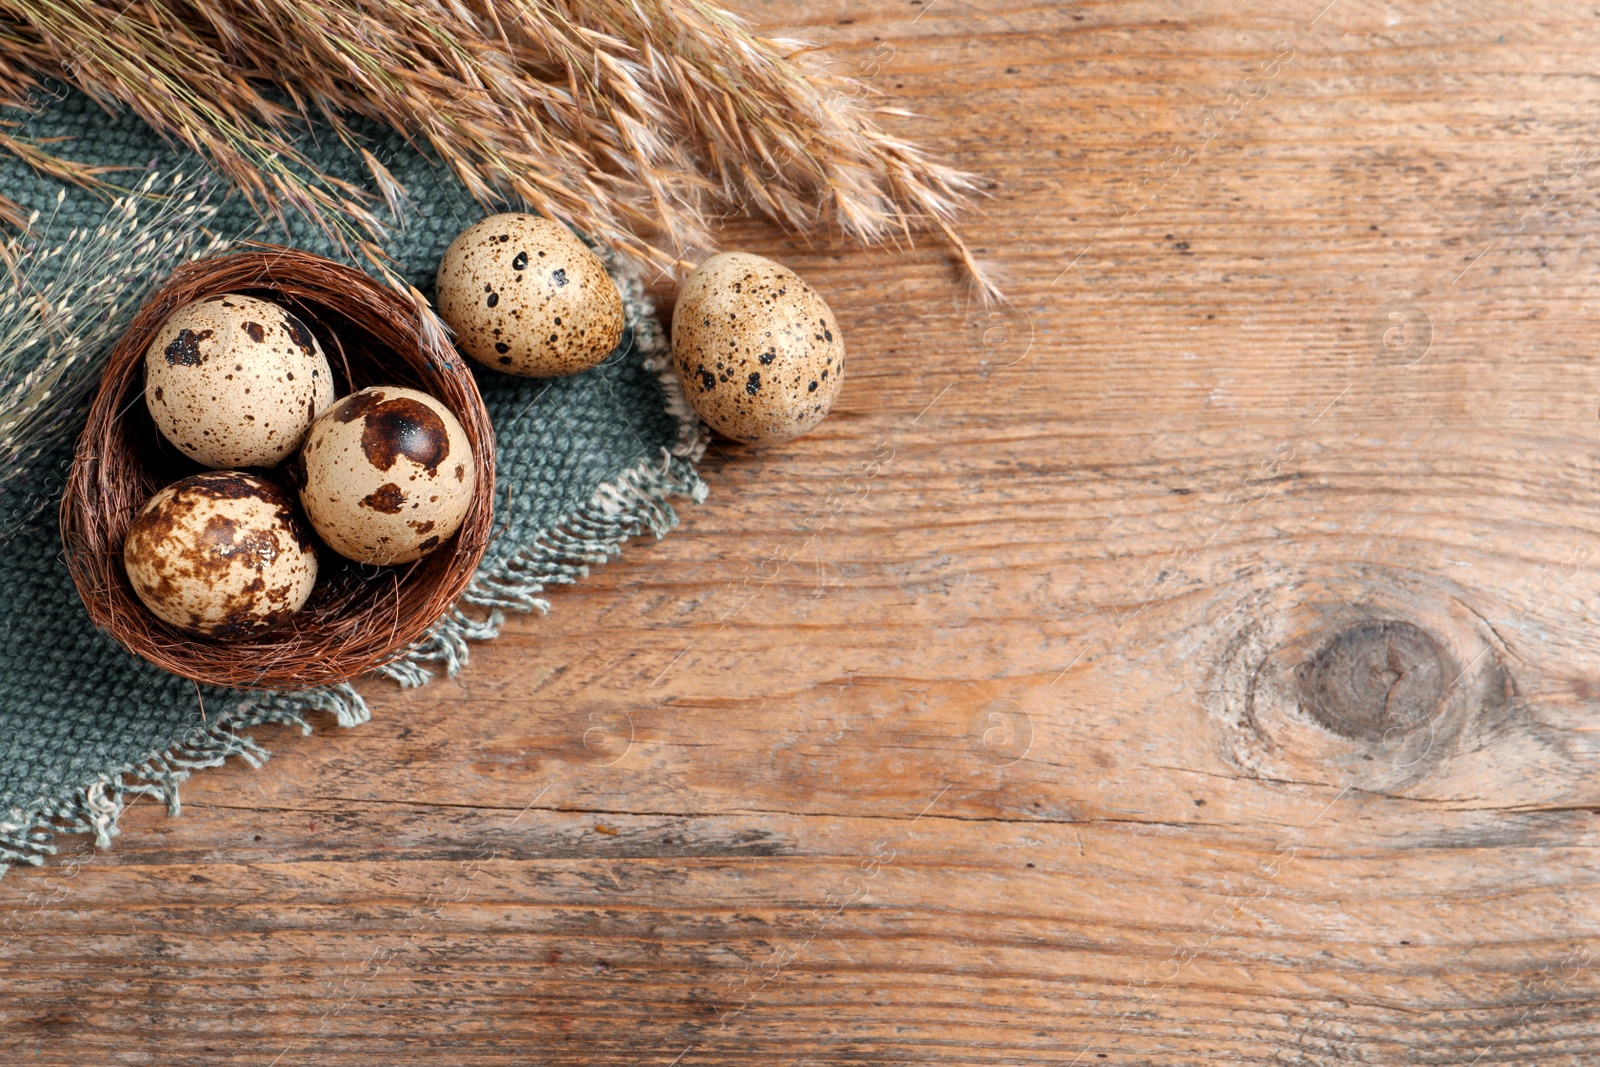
[
  {"x": 28, "y": 835},
  {"x": 594, "y": 533}
]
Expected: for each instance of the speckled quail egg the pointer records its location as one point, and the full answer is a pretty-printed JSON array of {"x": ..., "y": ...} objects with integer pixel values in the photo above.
[
  {"x": 389, "y": 475},
  {"x": 221, "y": 554},
  {"x": 525, "y": 296},
  {"x": 757, "y": 351},
  {"x": 234, "y": 381}
]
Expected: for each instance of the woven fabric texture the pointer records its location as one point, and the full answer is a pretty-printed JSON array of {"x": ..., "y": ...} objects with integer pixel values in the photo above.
[{"x": 584, "y": 463}]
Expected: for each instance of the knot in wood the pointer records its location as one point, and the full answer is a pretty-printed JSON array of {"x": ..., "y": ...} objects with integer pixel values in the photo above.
[
  {"x": 1373, "y": 677},
  {"x": 1374, "y": 680}
]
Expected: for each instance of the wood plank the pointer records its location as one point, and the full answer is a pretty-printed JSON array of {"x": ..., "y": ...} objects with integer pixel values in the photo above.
[{"x": 1166, "y": 668}]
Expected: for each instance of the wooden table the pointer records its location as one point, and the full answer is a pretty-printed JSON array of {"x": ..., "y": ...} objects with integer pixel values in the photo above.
[{"x": 1195, "y": 661}]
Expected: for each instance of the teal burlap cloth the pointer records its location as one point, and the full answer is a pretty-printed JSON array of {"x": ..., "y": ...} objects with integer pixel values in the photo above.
[{"x": 584, "y": 463}]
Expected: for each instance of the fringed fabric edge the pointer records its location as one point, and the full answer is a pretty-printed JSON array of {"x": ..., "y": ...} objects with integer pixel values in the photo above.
[{"x": 95, "y": 807}]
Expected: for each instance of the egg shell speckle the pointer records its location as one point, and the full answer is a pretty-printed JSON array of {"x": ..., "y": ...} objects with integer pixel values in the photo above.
[
  {"x": 221, "y": 554},
  {"x": 756, "y": 350},
  {"x": 389, "y": 475},
  {"x": 525, "y": 296},
  {"x": 234, "y": 381}
]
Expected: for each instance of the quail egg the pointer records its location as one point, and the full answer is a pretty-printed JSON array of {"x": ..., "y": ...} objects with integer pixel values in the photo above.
[
  {"x": 234, "y": 381},
  {"x": 756, "y": 350},
  {"x": 221, "y": 554},
  {"x": 525, "y": 296},
  {"x": 389, "y": 475}
]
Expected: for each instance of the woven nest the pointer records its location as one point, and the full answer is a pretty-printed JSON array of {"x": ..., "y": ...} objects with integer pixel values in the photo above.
[{"x": 358, "y": 617}]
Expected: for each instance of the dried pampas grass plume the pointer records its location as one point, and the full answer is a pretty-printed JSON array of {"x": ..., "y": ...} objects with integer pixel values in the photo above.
[{"x": 637, "y": 121}]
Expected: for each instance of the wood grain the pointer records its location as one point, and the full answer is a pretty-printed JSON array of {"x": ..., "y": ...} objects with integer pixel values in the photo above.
[{"x": 1192, "y": 662}]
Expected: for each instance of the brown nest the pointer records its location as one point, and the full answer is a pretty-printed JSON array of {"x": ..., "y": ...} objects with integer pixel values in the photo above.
[{"x": 359, "y": 617}]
